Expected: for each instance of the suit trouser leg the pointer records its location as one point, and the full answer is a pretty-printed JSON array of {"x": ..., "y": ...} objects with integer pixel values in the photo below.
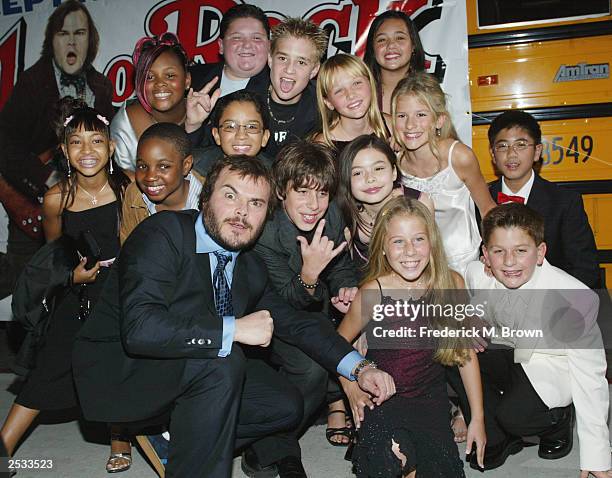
[
  {"x": 511, "y": 404},
  {"x": 204, "y": 418},
  {"x": 310, "y": 379},
  {"x": 269, "y": 404}
]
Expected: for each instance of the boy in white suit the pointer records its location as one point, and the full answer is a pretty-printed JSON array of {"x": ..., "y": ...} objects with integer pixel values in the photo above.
[{"x": 530, "y": 384}]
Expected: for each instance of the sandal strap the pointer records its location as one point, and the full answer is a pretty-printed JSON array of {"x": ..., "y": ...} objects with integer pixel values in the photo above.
[
  {"x": 127, "y": 456},
  {"x": 345, "y": 431}
]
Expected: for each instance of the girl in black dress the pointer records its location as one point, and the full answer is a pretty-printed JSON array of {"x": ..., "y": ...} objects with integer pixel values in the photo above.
[{"x": 88, "y": 198}]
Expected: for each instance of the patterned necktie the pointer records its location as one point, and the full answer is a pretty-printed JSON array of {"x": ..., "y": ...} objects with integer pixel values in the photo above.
[{"x": 223, "y": 293}]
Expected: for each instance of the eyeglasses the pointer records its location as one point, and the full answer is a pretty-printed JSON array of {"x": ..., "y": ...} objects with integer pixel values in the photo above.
[
  {"x": 233, "y": 127},
  {"x": 520, "y": 145}
]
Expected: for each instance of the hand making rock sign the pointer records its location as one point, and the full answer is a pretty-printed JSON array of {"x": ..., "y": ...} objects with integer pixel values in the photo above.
[{"x": 200, "y": 104}]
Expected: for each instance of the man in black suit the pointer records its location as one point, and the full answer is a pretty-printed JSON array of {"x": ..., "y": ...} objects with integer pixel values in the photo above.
[
  {"x": 515, "y": 142},
  {"x": 159, "y": 343}
]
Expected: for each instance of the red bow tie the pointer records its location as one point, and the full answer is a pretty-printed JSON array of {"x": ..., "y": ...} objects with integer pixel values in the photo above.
[{"x": 504, "y": 198}]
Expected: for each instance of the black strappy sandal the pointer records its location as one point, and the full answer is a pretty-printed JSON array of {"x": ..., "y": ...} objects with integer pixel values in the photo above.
[{"x": 346, "y": 431}]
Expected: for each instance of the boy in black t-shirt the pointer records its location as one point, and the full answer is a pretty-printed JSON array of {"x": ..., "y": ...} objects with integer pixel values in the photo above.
[{"x": 295, "y": 57}]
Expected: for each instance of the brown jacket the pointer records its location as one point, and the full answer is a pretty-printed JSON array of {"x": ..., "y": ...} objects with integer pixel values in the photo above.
[{"x": 135, "y": 210}]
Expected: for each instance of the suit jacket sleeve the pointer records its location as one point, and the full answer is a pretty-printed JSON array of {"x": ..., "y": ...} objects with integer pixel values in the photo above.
[
  {"x": 578, "y": 243},
  {"x": 19, "y": 120},
  {"x": 154, "y": 323},
  {"x": 313, "y": 333}
]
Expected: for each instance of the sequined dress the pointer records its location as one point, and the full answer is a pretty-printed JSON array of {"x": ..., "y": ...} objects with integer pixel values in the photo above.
[{"x": 416, "y": 417}]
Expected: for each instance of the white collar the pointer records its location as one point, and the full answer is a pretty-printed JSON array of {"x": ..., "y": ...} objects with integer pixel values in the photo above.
[{"x": 523, "y": 192}]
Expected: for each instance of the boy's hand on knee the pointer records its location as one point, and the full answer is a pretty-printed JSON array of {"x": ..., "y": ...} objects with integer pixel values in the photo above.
[{"x": 254, "y": 329}]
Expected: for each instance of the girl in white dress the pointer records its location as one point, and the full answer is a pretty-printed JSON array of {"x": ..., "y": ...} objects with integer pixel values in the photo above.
[{"x": 434, "y": 161}]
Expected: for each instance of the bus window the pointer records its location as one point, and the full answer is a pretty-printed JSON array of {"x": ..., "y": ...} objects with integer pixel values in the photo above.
[{"x": 496, "y": 13}]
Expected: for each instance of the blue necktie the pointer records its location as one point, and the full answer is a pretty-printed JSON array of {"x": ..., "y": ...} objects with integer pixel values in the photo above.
[{"x": 223, "y": 293}]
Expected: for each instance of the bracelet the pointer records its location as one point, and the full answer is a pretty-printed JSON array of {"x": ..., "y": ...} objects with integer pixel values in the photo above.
[
  {"x": 362, "y": 365},
  {"x": 307, "y": 286}
]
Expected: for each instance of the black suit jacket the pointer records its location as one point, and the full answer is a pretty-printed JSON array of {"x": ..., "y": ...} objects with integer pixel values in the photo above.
[
  {"x": 202, "y": 73},
  {"x": 282, "y": 254},
  {"x": 157, "y": 311},
  {"x": 567, "y": 233}
]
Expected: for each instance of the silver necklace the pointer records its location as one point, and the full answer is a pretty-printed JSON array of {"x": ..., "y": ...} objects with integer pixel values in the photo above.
[
  {"x": 290, "y": 120},
  {"x": 93, "y": 198}
]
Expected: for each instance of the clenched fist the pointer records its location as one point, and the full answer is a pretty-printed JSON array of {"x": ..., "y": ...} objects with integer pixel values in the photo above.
[{"x": 254, "y": 329}]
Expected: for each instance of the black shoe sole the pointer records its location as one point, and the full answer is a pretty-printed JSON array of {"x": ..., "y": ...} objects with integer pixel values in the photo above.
[
  {"x": 559, "y": 454},
  {"x": 512, "y": 449},
  {"x": 570, "y": 442},
  {"x": 251, "y": 473}
]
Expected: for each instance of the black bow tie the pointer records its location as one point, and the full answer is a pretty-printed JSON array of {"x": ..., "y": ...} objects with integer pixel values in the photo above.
[{"x": 78, "y": 81}]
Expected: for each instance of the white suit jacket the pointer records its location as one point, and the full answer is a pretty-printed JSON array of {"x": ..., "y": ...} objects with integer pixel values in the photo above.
[{"x": 561, "y": 374}]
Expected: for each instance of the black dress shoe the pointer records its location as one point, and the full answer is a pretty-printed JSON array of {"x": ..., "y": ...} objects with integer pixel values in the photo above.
[
  {"x": 290, "y": 467},
  {"x": 496, "y": 455},
  {"x": 253, "y": 469},
  {"x": 558, "y": 443}
]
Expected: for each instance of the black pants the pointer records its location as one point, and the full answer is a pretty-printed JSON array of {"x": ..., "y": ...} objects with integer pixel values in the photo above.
[
  {"x": 511, "y": 404},
  {"x": 310, "y": 379},
  {"x": 223, "y": 405}
]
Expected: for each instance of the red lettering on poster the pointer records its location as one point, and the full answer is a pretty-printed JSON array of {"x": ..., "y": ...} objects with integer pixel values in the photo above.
[
  {"x": 11, "y": 58},
  {"x": 197, "y": 24},
  {"x": 120, "y": 72}
]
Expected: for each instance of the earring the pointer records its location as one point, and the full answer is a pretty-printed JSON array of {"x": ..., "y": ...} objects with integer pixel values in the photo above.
[
  {"x": 110, "y": 161},
  {"x": 438, "y": 131},
  {"x": 69, "y": 170}
]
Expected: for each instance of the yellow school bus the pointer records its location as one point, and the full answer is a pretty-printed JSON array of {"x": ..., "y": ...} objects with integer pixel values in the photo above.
[{"x": 550, "y": 58}]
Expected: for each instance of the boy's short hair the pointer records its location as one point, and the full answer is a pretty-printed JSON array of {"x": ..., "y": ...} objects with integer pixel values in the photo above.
[
  {"x": 515, "y": 119},
  {"x": 513, "y": 215},
  {"x": 245, "y": 166},
  {"x": 300, "y": 28},
  {"x": 304, "y": 164},
  {"x": 243, "y": 10},
  {"x": 170, "y": 133},
  {"x": 240, "y": 96}
]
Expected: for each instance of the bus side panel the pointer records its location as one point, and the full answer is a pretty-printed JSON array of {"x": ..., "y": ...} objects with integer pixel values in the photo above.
[{"x": 526, "y": 73}]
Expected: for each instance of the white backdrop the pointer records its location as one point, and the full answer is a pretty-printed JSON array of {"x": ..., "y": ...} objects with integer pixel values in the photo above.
[{"x": 121, "y": 23}]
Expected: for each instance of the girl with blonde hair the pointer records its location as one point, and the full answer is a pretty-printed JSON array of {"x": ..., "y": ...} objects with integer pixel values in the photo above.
[
  {"x": 433, "y": 160},
  {"x": 410, "y": 432},
  {"x": 346, "y": 98}
]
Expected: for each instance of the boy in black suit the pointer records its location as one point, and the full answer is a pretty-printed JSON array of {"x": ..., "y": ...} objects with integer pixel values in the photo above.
[{"x": 515, "y": 143}]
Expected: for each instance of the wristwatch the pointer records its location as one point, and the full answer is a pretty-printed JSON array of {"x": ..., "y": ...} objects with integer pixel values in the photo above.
[{"x": 361, "y": 365}]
